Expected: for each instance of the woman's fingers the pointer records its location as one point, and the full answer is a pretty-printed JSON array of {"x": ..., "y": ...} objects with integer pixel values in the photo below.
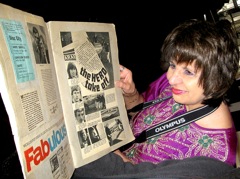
[{"x": 126, "y": 81}]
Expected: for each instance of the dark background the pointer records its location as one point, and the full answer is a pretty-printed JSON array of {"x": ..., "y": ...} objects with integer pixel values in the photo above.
[{"x": 141, "y": 27}]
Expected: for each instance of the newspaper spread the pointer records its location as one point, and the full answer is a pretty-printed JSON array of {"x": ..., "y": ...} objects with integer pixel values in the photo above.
[
  {"x": 57, "y": 84},
  {"x": 89, "y": 51}
]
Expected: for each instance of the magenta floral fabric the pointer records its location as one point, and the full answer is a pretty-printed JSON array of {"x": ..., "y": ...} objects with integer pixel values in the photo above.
[{"x": 188, "y": 141}]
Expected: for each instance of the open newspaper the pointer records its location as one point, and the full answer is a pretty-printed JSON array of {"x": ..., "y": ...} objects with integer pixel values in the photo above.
[{"x": 57, "y": 83}]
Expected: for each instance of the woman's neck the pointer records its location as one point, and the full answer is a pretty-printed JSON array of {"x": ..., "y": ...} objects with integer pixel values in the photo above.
[{"x": 193, "y": 106}]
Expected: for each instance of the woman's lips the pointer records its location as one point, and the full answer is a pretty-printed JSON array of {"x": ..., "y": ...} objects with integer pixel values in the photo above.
[{"x": 177, "y": 91}]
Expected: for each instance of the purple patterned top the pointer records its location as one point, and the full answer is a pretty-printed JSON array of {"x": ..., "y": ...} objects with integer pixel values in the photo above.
[{"x": 187, "y": 141}]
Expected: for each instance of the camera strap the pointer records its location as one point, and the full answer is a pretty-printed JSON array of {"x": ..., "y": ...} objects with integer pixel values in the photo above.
[{"x": 173, "y": 123}]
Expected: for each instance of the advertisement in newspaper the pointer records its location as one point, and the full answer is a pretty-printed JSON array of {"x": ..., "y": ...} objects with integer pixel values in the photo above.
[{"x": 48, "y": 151}]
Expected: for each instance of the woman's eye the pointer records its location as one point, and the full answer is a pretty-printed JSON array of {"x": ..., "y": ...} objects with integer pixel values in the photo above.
[
  {"x": 187, "y": 72},
  {"x": 171, "y": 65}
]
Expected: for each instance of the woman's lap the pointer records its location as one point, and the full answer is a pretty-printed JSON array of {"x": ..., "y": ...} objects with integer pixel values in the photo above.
[{"x": 112, "y": 166}]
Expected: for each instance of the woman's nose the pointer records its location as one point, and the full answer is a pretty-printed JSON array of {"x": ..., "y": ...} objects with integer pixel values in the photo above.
[{"x": 174, "y": 77}]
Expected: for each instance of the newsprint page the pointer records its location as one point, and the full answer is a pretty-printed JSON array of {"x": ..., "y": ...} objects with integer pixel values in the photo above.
[
  {"x": 86, "y": 61},
  {"x": 57, "y": 84}
]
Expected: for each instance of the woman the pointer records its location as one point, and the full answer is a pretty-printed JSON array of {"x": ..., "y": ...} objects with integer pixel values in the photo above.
[{"x": 203, "y": 62}]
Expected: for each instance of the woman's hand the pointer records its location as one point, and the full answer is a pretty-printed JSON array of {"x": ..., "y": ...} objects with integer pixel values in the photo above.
[
  {"x": 126, "y": 81},
  {"x": 124, "y": 157},
  {"x": 130, "y": 93}
]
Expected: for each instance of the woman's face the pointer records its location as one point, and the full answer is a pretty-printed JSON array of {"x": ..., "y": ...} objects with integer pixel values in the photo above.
[{"x": 184, "y": 82}]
